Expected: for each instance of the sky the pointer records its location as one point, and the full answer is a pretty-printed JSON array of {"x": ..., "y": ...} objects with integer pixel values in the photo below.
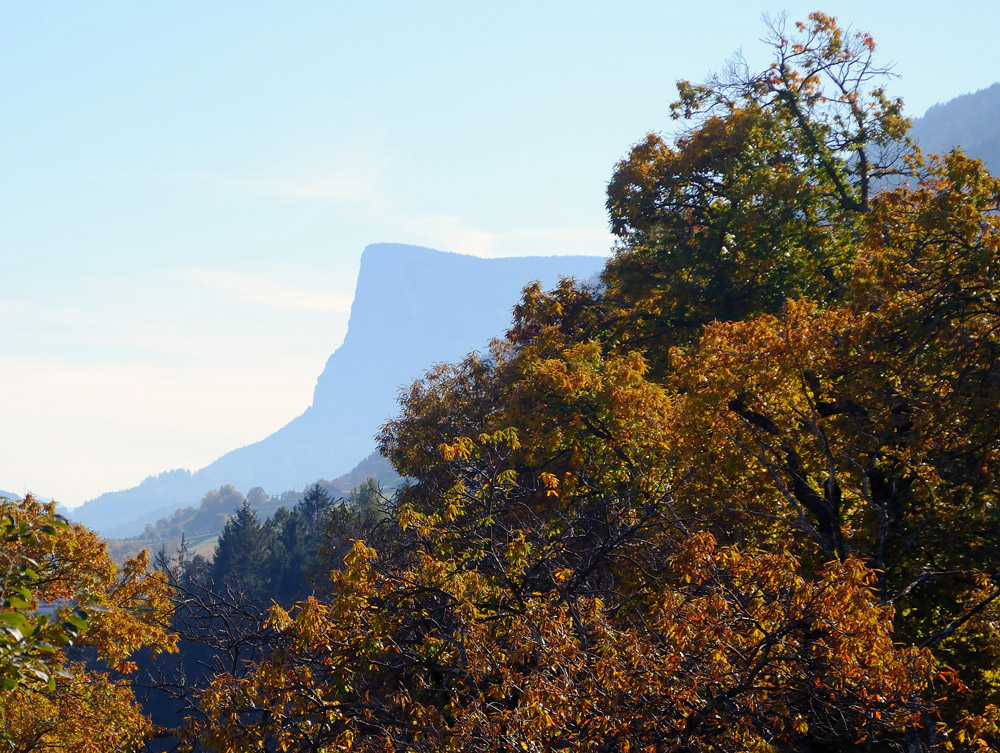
[{"x": 187, "y": 187}]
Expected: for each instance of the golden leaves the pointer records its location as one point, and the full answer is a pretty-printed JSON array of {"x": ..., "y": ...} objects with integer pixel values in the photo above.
[
  {"x": 95, "y": 604},
  {"x": 87, "y": 712},
  {"x": 719, "y": 505}
]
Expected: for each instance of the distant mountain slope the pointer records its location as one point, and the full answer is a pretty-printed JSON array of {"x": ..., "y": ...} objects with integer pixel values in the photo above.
[
  {"x": 969, "y": 121},
  {"x": 201, "y": 526},
  {"x": 9, "y": 495},
  {"x": 413, "y": 307}
]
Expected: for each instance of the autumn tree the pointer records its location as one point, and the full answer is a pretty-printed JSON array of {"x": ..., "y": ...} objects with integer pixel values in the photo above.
[
  {"x": 61, "y": 591},
  {"x": 869, "y": 429},
  {"x": 27, "y": 640},
  {"x": 741, "y": 496},
  {"x": 762, "y": 195}
]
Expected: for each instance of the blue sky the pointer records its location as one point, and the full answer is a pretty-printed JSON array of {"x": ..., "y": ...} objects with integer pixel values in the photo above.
[{"x": 188, "y": 186}]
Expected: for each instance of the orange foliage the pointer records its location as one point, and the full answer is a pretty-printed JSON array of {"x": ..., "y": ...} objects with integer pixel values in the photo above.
[
  {"x": 51, "y": 703},
  {"x": 743, "y": 497}
]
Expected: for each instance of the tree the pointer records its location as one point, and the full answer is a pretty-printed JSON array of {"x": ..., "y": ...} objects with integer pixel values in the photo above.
[
  {"x": 27, "y": 640},
  {"x": 296, "y": 536},
  {"x": 762, "y": 197},
  {"x": 256, "y": 496},
  {"x": 49, "y": 701},
  {"x": 869, "y": 430},
  {"x": 741, "y": 497},
  {"x": 731, "y": 652},
  {"x": 242, "y": 555}
]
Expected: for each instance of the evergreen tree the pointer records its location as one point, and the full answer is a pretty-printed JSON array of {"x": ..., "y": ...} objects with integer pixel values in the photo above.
[{"x": 242, "y": 556}]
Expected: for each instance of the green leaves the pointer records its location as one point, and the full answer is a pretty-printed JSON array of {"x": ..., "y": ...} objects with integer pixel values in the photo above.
[
  {"x": 761, "y": 197},
  {"x": 59, "y": 588},
  {"x": 27, "y": 637}
]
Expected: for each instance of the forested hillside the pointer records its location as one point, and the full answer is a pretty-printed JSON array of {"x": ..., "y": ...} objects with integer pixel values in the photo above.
[
  {"x": 738, "y": 496},
  {"x": 967, "y": 122},
  {"x": 197, "y": 528}
]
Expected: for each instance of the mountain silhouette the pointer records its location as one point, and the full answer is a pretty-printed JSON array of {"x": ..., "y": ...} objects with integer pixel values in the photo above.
[
  {"x": 413, "y": 307},
  {"x": 968, "y": 122}
]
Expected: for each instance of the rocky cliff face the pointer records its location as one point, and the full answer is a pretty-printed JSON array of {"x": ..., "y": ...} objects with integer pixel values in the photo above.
[{"x": 413, "y": 307}]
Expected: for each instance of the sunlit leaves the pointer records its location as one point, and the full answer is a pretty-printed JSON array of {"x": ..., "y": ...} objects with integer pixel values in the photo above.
[
  {"x": 61, "y": 589},
  {"x": 761, "y": 198},
  {"x": 28, "y": 639},
  {"x": 741, "y": 497}
]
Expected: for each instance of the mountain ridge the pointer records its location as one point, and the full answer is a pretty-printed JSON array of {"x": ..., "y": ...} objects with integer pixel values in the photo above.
[
  {"x": 413, "y": 307},
  {"x": 966, "y": 121}
]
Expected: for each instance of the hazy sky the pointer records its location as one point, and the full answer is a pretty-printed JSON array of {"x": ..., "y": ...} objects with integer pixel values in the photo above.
[{"x": 187, "y": 187}]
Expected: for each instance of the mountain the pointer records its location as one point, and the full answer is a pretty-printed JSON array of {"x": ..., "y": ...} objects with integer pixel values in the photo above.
[
  {"x": 413, "y": 307},
  {"x": 201, "y": 526},
  {"x": 9, "y": 495},
  {"x": 968, "y": 121}
]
